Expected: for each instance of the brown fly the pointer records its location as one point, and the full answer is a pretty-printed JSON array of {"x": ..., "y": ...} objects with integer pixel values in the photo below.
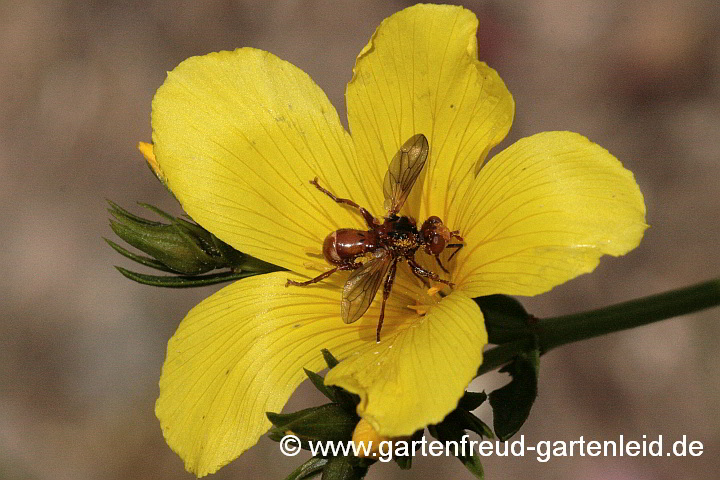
[{"x": 387, "y": 241}]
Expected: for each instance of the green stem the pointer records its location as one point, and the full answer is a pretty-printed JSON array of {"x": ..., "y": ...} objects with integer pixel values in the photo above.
[{"x": 554, "y": 332}]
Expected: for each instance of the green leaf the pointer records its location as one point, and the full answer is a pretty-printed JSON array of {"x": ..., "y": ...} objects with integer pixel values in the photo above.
[
  {"x": 328, "y": 422},
  {"x": 505, "y": 318},
  {"x": 511, "y": 404},
  {"x": 343, "y": 468},
  {"x": 309, "y": 469}
]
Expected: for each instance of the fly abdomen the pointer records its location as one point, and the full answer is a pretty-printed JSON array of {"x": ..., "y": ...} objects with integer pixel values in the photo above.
[{"x": 345, "y": 245}]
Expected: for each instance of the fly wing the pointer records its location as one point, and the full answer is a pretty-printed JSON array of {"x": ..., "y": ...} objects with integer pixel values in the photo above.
[
  {"x": 404, "y": 169},
  {"x": 362, "y": 285}
]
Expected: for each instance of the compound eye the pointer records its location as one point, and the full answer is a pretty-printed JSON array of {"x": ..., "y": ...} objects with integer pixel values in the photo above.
[{"x": 437, "y": 244}]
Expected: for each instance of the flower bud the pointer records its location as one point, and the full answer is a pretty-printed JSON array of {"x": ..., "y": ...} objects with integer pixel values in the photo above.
[
  {"x": 365, "y": 434},
  {"x": 181, "y": 246}
]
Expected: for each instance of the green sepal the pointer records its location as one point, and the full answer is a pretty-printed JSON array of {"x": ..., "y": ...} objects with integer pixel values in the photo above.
[
  {"x": 183, "y": 281},
  {"x": 249, "y": 264},
  {"x": 328, "y": 422},
  {"x": 472, "y": 400},
  {"x": 474, "y": 424},
  {"x": 277, "y": 434},
  {"x": 460, "y": 420},
  {"x": 116, "y": 209},
  {"x": 329, "y": 359},
  {"x": 474, "y": 465},
  {"x": 512, "y": 403},
  {"x": 319, "y": 383},
  {"x": 449, "y": 430},
  {"x": 225, "y": 256},
  {"x": 452, "y": 430},
  {"x": 505, "y": 318},
  {"x": 348, "y": 401},
  {"x": 142, "y": 260},
  {"x": 455, "y": 425},
  {"x": 344, "y": 468},
  {"x": 405, "y": 461},
  {"x": 309, "y": 469},
  {"x": 467, "y": 420}
]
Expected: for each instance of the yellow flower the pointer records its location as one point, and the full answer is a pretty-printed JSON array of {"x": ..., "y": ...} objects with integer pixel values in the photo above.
[{"x": 239, "y": 135}]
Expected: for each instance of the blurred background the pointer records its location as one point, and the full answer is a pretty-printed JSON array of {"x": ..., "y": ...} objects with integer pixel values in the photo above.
[{"x": 81, "y": 347}]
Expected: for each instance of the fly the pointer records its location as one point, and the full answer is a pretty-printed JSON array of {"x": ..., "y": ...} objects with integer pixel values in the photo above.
[{"x": 387, "y": 241}]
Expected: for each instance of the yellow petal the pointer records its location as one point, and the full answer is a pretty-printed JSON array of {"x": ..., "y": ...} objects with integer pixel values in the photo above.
[
  {"x": 544, "y": 211},
  {"x": 240, "y": 353},
  {"x": 239, "y": 135},
  {"x": 416, "y": 377},
  {"x": 420, "y": 74}
]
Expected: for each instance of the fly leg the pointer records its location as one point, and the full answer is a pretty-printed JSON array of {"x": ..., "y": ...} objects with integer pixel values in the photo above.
[
  {"x": 437, "y": 259},
  {"x": 323, "y": 276},
  {"x": 369, "y": 219},
  {"x": 457, "y": 247},
  {"x": 424, "y": 280},
  {"x": 386, "y": 293},
  {"x": 421, "y": 272}
]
